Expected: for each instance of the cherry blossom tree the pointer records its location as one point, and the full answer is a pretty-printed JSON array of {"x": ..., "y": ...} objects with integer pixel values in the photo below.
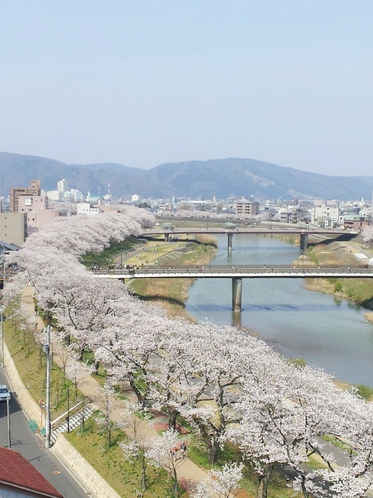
[
  {"x": 223, "y": 358},
  {"x": 163, "y": 452},
  {"x": 222, "y": 483},
  {"x": 368, "y": 234},
  {"x": 138, "y": 443},
  {"x": 230, "y": 386},
  {"x": 76, "y": 371},
  {"x": 286, "y": 413},
  {"x": 128, "y": 342},
  {"x": 105, "y": 398}
]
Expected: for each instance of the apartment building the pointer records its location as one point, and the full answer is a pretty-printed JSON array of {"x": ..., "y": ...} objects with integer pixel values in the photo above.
[
  {"x": 17, "y": 192},
  {"x": 250, "y": 208}
]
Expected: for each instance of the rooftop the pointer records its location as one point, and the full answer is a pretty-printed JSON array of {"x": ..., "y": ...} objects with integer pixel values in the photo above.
[{"x": 17, "y": 472}]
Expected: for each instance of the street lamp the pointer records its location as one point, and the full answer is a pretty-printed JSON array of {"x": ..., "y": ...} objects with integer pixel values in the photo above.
[{"x": 47, "y": 350}]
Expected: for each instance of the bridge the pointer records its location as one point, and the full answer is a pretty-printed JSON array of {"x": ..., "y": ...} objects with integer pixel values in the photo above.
[
  {"x": 237, "y": 273},
  {"x": 301, "y": 232}
]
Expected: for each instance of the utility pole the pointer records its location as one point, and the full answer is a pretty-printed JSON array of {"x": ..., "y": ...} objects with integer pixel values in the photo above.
[
  {"x": 68, "y": 410},
  {"x": 47, "y": 350},
  {"x": 8, "y": 417},
  {"x": 2, "y": 310}
]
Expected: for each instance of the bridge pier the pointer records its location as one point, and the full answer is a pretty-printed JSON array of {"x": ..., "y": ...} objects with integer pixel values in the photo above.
[
  {"x": 236, "y": 319},
  {"x": 303, "y": 241},
  {"x": 230, "y": 242},
  {"x": 166, "y": 237},
  {"x": 236, "y": 294}
]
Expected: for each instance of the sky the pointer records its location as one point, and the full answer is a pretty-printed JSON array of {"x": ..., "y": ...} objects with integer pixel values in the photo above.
[{"x": 146, "y": 82}]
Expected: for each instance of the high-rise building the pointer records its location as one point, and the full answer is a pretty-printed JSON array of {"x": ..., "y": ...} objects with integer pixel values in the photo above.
[
  {"x": 62, "y": 186},
  {"x": 16, "y": 192}
]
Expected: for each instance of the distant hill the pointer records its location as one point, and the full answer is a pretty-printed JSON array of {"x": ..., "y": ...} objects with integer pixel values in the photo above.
[{"x": 217, "y": 177}]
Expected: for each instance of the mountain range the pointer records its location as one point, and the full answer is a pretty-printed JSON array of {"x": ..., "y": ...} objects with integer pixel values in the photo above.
[{"x": 221, "y": 178}]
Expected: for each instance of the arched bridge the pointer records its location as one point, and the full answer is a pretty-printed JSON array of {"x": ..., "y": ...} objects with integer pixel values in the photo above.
[{"x": 237, "y": 273}]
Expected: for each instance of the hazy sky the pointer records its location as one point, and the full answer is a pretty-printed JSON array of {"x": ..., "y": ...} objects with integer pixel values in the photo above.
[{"x": 144, "y": 82}]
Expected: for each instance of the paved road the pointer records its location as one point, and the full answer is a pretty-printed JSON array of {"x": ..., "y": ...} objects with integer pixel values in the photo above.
[{"x": 32, "y": 448}]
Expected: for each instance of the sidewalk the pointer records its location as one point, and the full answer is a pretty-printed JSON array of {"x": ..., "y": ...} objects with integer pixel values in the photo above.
[{"x": 91, "y": 389}]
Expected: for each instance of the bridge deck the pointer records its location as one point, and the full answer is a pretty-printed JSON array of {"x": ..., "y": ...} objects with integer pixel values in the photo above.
[
  {"x": 251, "y": 230},
  {"x": 239, "y": 272}
]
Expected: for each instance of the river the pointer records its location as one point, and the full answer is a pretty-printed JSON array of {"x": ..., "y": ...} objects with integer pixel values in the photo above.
[{"x": 325, "y": 331}]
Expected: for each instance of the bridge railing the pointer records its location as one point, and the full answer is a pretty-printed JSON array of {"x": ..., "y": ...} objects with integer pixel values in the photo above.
[{"x": 223, "y": 269}]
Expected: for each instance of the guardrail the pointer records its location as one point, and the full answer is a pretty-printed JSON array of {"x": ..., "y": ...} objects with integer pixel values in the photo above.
[{"x": 227, "y": 270}]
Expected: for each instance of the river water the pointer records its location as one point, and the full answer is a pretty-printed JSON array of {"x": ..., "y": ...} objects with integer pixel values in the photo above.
[{"x": 325, "y": 331}]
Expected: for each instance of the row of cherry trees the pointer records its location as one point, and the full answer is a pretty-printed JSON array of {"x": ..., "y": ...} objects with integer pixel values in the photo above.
[{"x": 229, "y": 386}]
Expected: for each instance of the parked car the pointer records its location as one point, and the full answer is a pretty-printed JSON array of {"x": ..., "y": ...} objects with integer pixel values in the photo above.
[{"x": 4, "y": 393}]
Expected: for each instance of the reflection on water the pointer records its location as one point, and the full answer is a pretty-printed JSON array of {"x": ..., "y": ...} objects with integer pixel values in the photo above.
[{"x": 325, "y": 330}]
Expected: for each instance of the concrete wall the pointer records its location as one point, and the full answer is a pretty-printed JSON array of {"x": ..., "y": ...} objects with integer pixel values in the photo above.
[
  {"x": 81, "y": 470},
  {"x": 13, "y": 228}
]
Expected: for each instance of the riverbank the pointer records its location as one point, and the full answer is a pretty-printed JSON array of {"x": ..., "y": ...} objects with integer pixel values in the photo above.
[
  {"x": 359, "y": 291},
  {"x": 171, "y": 294},
  {"x": 333, "y": 253}
]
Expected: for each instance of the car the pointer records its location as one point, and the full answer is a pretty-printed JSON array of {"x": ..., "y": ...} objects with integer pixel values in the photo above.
[{"x": 4, "y": 393}]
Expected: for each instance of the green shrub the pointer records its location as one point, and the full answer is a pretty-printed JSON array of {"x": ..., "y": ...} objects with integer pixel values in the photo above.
[
  {"x": 297, "y": 362},
  {"x": 338, "y": 287},
  {"x": 364, "y": 391}
]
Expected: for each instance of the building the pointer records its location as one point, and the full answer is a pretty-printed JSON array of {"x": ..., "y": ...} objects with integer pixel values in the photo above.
[
  {"x": 247, "y": 208},
  {"x": 85, "y": 208},
  {"x": 19, "y": 479},
  {"x": 61, "y": 195},
  {"x": 13, "y": 228},
  {"x": 37, "y": 213},
  {"x": 73, "y": 195},
  {"x": 55, "y": 195},
  {"x": 27, "y": 203},
  {"x": 325, "y": 213},
  {"x": 17, "y": 192},
  {"x": 62, "y": 186},
  {"x": 286, "y": 216},
  {"x": 356, "y": 222}
]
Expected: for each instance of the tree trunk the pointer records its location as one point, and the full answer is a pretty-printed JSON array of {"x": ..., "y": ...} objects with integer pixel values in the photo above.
[
  {"x": 172, "y": 420},
  {"x": 108, "y": 438},
  {"x": 213, "y": 449},
  {"x": 138, "y": 393},
  {"x": 175, "y": 485},
  {"x": 143, "y": 467},
  {"x": 96, "y": 367},
  {"x": 306, "y": 494},
  {"x": 262, "y": 489},
  {"x": 211, "y": 441}
]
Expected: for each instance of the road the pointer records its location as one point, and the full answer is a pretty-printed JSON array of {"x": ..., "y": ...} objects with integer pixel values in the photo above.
[{"x": 32, "y": 448}]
